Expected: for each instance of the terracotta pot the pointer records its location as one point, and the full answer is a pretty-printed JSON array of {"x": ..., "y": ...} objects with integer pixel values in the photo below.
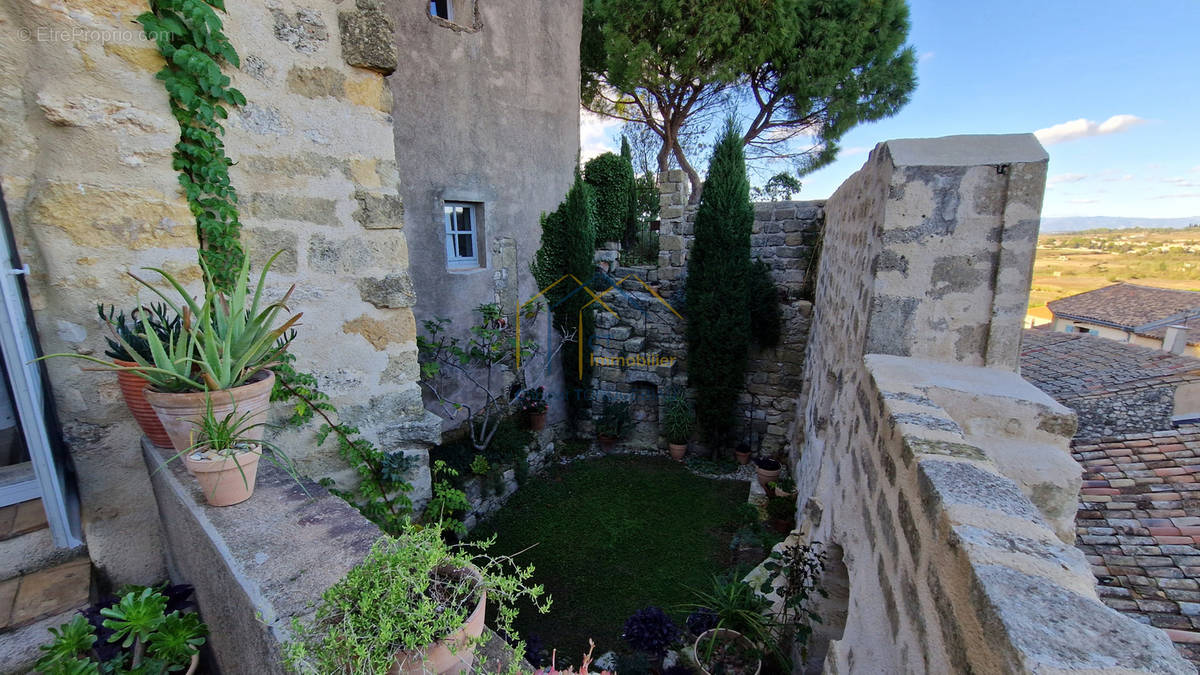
[
  {"x": 132, "y": 390},
  {"x": 607, "y": 443},
  {"x": 678, "y": 450},
  {"x": 454, "y": 654},
  {"x": 222, "y": 481},
  {"x": 537, "y": 421},
  {"x": 726, "y": 635},
  {"x": 766, "y": 476},
  {"x": 742, "y": 457},
  {"x": 179, "y": 413}
]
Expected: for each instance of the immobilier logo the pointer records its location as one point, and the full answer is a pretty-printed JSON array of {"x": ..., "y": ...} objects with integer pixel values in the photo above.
[{"x": 614, "y": 287}]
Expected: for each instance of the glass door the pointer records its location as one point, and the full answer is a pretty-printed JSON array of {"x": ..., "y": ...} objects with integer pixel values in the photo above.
[{"x": 28, "y": 466}]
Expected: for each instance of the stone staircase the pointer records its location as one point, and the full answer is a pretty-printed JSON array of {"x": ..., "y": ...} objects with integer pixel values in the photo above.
[{"x": 40, "y": 586}]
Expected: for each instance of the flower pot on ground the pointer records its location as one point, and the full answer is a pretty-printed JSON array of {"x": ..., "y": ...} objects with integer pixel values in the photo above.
[
  {"x": 783, "y": 487},
  {"x": 434, "y": 594},
  {"x": 678, "y": 423},
  {"x": 725, "y": 651},
  {"x": 743, "y": 454},
  {"x": 768, "y": 470},
  {"x": 612, "y": 424},
  {"x": 533, "y": 404}
]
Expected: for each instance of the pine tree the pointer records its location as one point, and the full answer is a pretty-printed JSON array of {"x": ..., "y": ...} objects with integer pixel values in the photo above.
[
  {"x": 568, "y": 247},
  {"x": 717, "y": 289}
]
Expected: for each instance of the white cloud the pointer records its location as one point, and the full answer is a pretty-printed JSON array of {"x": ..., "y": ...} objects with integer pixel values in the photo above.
[
  {"x": 1181, "y": 181},
  {"x": 1185, "y": 195},
  {"x": 1066, "y": 178},
  {"x": 1082, "y": 128},
  {"x": 1083, "y": 201},
  {"x": 593, "y": 134},
  {"x": 856, "y": 150},
  {"x": 925, "y": 57}
]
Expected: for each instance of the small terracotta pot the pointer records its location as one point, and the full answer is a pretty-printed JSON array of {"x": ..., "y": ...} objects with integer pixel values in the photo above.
[
  {"x": 607, "y": 443},
  {"x": 222, "y": 481},
  {"x": 724, "y": 634},
  {"x": 179, "y": 413},
  {"x": 742, "y": 457},
  {"x": 454, "y": 654},
  {"x": 133, "y": 391},
  {"x": 537, "y": 421},
  {"x": 678, "y": 450}
]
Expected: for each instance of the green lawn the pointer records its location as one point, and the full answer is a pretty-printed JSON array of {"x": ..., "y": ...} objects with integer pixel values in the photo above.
[{"x": 611, "y": 536}]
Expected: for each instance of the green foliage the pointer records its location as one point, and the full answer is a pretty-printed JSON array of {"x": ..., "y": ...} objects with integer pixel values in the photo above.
[
  {"x": 381, "y": 493},
  {"x": 567, "y": 248},
  {"x": 480, "y": 466},
  {"x": 717, "y": 288},
  {"x": 614, "y": 418},
  {"x": 611, "y": 178},
  {"x": 794, "y": 574},
  {"x": 678, "y": 419},
  {"x": 509, "y": 443},
  {"x": 802, "y": 69},
  {"x": 188, "y": 34},
  {"x": 779, "y": 187},
  {"x": 644, "y": 249},
  {"x": 478, "y": 359},
  {"x": 449, "y": 503},
  {"x": 766, "y": 319},
  {"x": 738, "y": 608},
  {"x": 410, "y": 591},
  {"x": 129, "y": 340},
  {"x": 632, "y": 207},
  {"x": 149, "y": 639}
]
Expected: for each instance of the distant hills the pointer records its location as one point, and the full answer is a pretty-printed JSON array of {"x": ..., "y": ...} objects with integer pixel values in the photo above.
[{"x": 1056, "y": 225}]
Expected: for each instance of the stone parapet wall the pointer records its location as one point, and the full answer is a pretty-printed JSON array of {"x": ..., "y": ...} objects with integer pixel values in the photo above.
[
  {"x": 938, "y": 480},
  {"x": 85, "y": 164}
]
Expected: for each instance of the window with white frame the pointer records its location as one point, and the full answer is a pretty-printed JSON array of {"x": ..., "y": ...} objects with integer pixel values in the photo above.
[{"x": 462, "y": 235}]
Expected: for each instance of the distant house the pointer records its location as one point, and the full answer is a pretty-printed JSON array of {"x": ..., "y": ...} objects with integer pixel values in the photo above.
[
  {"x": 1039, "y": 317},
  {"x": 1160, "y": 318}
]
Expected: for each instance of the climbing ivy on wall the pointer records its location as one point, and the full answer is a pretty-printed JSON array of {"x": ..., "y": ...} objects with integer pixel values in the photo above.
[
  {"x": 189, "y": 36},
  {"x": 611, "y": 178}
]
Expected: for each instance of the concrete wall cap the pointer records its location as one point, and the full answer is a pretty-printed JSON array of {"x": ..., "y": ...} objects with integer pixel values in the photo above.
[{"x": 968, "y": 150}]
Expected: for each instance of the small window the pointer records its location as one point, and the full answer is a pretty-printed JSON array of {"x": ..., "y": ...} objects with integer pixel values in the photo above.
[
  {"x": 462, "y": 235},
  {"x": 443, "y": 9}
]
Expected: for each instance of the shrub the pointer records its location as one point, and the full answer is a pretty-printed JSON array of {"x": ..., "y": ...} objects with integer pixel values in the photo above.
[
  {"x": 650, "y": 631},
  {"x": 718, "y": 326},
  {"x": 611, "y": 177}
]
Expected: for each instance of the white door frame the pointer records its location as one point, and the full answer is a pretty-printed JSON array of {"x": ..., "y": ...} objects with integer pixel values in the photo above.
[{"x": 25, "y": 377}]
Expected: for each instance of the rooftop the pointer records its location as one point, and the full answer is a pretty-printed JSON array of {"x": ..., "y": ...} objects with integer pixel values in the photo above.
[
  {"x": 1139, "y": 527},
  {"x": 1128, "y": 306},
  {"x": 1067, "y": 365}
]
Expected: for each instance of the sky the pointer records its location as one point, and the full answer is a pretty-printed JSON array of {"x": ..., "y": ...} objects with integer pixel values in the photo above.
[{"x": 1111, "y": 89}]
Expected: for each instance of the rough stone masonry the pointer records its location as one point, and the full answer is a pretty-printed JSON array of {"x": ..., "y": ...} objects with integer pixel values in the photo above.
[{"x": 939, "y": 481}]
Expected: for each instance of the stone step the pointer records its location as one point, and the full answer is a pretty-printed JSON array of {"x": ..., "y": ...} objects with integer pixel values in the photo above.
[{"x": 31, "y": 596}]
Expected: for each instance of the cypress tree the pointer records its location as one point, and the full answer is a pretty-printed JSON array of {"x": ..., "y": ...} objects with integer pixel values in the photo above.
[
  {"x": 718, "y": 287},
  {"x": 631, "y": 216},
  {"x": 568, "y": 236},
  {"x": 611, "y": 177}
]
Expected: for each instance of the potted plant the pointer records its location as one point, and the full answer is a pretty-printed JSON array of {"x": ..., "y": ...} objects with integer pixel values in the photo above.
[
  {"x": 221, "y": 355},
  {"x": 722, "y": 651},
  {"x": 768, "y": 470},
  {"x": 743, "y": 454},
  {"x": 224, "y": 456},
  {"x": 146, "y": 631},
  {"x": 533, "y": 404},
  {"x": 131, "y": 383},
  {"x": 433, "y": 595},
  {"x": 678, "y": 423},
  {"x": 612, "y": 424},
  {"x": 783, "y": 487},
  {"x": 650, "y": 631}
]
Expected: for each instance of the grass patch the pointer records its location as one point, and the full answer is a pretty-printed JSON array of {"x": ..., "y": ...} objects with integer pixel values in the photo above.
[{"x": 613, "y": 535}]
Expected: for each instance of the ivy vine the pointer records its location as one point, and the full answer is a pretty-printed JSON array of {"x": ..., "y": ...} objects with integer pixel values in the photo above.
[{"x": 188, "y": 34}]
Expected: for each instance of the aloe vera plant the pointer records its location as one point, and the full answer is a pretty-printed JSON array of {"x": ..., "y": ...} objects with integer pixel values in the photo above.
[{"x": 224, "y": 339}]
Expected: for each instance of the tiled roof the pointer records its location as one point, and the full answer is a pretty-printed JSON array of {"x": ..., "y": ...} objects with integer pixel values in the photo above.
[
  {"x": 1193, "y": 325},
  {"x": 1066, "y": 365},
  {"x": 1138, "y": 524},
  {"x": 1127, "y": 305}
]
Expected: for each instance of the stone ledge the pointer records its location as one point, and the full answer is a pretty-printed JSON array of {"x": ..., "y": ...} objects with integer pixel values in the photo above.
[{"x": 258, "y": 564}]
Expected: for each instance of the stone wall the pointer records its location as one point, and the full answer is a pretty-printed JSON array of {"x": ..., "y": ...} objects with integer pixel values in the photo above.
[
  {"x": 940, "y": 481},
  {"x": 784, "y": 235},
  {"x": 85, "y": 162}
]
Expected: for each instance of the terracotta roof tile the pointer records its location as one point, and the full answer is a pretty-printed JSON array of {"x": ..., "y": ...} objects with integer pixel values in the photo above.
[
  {"x": 1127, "y": 305},
  {"x": 1066, "y": 365}
]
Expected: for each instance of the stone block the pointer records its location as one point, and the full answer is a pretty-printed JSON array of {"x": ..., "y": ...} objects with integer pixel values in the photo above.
[
  {"x": 636, "y": 344},
  {"x": 304, "y": 31},
  {"x": 379, "y": 211},
  {"x": 107, "y": 218},
  {"x": 276, "y": 206},
  {"x": 620, "y": 333},
  {"x": 392, "y": 291},
  {"x": 316, "y": 82},
  {"x": 262, "y": 243},
  {"x": 398, "y": 328},
  {"x": 368, "y": 38},
  {"x": 52, "y": 590}
]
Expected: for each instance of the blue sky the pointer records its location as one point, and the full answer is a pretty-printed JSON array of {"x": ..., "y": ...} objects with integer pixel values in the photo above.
[{"x": 1111, "y": 88}]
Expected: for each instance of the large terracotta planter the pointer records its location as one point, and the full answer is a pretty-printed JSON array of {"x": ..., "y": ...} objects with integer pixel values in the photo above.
[
  {"x": 132, "y": 388},
  {"x": 227, "y": 481},
  {"x": 454, "y": 654},
  {"x": 537, "y": 421},
  {"x": 768, "y": 471},
  {"x": 724, "y": 634},
  {"x": 179, "y": 413},
  {"x": 677, "y": 450},
  {"x": 607, "y": 443}
]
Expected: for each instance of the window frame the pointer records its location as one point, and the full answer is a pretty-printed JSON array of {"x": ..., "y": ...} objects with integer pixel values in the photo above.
[
  {"x": 452, "y": 231},
  {"x": 449, "y": 4}
]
